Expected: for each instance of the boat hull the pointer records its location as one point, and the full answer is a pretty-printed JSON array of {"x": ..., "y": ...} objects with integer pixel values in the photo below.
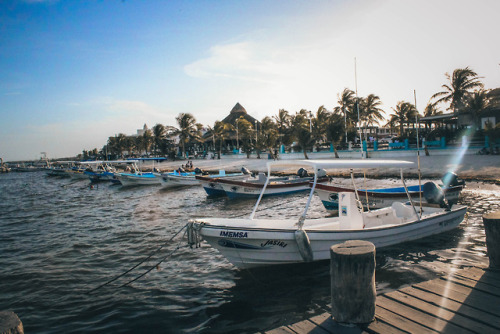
[
  {"x": 247, "y": 247},
  {"x": 145, "y": 179},
  {"x": 285, "y": 186}
]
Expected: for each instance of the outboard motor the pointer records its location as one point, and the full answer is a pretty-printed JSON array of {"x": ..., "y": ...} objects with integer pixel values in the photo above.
[
  {"x": 198, "y": 170},
  {"x": 245, "y": 171},
  {"x": 302, "y": 172},
  {"x": 321, "y": 173},
  {"x": 434, "y": 194},
  {"x": 451, "y": 180}
]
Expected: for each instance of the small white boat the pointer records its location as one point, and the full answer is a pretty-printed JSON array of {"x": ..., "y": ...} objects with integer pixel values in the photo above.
[
  {"x": 384, "y": 197},
  {"x": 185, "y": 179},
  {"x": 252, "y": 187},
  {"x": 135, "y": 177},
  {"x": 177, "y": 179},
  {"x": 250, "y": 242}
]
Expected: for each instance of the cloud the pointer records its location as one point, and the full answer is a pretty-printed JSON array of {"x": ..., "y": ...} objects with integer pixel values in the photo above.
[{"x": 246, "y": 61}]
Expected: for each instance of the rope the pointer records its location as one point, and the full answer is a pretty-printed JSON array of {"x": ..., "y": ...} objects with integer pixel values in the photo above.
[
  {"x": 138, "y": 264},
  {"x": 157, "y": 264}
]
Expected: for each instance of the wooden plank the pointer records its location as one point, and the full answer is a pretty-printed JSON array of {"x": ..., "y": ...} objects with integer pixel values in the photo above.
[
  {"x": 477, "y": 285},
  {"x": 378, "y": 326},
  {"x": 459, "y": 308},
  {"x": 450, "y": 285},
  {"x": 485, "y": 276},
  {"x": 422, "y": 318},
  {"x": 280, "y": 330},
  {"x": 307, "y": 326},
  {"x": 440, "y": 312},
  {"x": 475, "y": 300},
  {"x": 403, "y": 324}
]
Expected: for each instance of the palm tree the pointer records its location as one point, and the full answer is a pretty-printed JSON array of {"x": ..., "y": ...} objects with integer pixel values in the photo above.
[
  {"x": 346, "y": 107},
  {"x": 283, "y": 122},
  {"x": 403, "y": 113},
  {"x": 476, "y": 104},
  {"x": 219, "y": 131},
  {"x": 147, "y": 140},
  {"x": 335, "y": 129},
  {"x": 301, "y": 130},
  {"x": 430, "y": 110},
  {"x": 461, "y": 83},
  {"x": 319, "y": 125},
  {"x": 188, "y": 130},
  {"x": 370, "y": 112},
  {"x": 245, "y": 133},
  {"x": 269, "y": 135},
  {"x": 159, "y": 135}
]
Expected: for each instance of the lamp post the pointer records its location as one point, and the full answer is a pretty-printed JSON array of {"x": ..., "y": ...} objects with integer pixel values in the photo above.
[
  {"x": 310, "y": 123},
  {"x": 255, "y": 132},
  {"x": 345, "y": 125},
  {"x": 237, "y": 136}
]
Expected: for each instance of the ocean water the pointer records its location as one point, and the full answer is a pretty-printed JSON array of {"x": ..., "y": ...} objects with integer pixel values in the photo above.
[{"x": 61, "y": 240}]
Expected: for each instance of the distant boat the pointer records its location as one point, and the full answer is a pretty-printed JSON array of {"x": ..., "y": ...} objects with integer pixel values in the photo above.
[
  {"x": 383, "y": 197},
  {"x": 185, "y": 179},
  {"x": 277, "y": 185},
  {"x": 211, "y": 182},
  {"x": 135, "y": 177}
]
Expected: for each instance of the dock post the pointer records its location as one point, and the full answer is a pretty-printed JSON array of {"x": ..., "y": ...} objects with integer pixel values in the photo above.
[
  {"x": 352, "y": 275},
  {"x": 10, "y": 323},
  {"x": 491, "y": 223}
]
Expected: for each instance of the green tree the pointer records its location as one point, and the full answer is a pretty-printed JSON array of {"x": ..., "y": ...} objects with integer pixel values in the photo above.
[
  {"x": 403, "y": 113},
  {"x": 301, "y": 130},
  {"x": 189, "y": 131},
  {"x": 476, "y": 104},
  {"x": 159, "y": 136},
  {"x": 335, "y": 129},
  {"x": 269, "y": 135},
  {"x": 147, "y": 140},
  {"x": 245, "y": 132},
  {"x": 346, "y": 108},
  {"x": 462, "y": 82},
  {"x": 319, "y": 125},
  {"x": 283, "y": 123}
]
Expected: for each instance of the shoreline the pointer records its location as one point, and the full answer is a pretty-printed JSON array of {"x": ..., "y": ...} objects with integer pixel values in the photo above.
[{"x": 484, "y": 168}]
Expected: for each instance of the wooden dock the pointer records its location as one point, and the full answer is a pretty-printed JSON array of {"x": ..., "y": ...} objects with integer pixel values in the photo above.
[{"x": 467, "y": 301}]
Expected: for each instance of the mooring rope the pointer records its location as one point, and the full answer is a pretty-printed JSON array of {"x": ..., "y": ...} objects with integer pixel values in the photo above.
[
  {"x": 158, "y": 263},
  {"x": 138, "y": 264}
]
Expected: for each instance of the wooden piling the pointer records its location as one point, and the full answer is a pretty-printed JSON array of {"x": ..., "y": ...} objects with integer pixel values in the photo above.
[
  {"x": 10, "y": 323},
  {"x": 352, "y": 274},
  {"x": 491, "y": 223}
]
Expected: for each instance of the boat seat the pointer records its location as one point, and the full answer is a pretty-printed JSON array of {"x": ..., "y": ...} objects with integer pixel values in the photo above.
[{"x": 402, "y": 211}]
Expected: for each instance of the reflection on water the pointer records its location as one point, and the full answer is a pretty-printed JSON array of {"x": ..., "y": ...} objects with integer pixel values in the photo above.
[{"x": 60, "y": 240}]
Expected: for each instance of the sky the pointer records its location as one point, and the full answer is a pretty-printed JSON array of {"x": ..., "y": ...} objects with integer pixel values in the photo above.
[{"x": 73, "y": 73}]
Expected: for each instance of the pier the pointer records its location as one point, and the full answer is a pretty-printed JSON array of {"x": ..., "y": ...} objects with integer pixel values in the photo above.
[{"x": 466, "y": 301}]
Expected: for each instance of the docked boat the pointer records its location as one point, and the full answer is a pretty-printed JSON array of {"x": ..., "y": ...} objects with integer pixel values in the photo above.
[
  {"x": 135, "y": 177},
  {"x": 212, "y": 185},
  {"x": 384, "y": 197},
  {"x": 179, "y": 178},
  {"x": 275, "y": 185},
  {"x": 250, "y": 242},
  {"x": 98, "y": 171}
]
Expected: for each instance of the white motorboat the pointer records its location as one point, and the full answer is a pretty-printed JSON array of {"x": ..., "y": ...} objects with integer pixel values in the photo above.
[
  {"x": 250, "y": 242},
  {"x": 185, "y": 179},
  {"x": 135, "y": 177},
  {"x": 177, "y": 179}
]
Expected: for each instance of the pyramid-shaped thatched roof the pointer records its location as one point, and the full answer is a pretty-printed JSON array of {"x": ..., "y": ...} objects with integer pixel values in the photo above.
[{"x": 236, "y": 113}]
